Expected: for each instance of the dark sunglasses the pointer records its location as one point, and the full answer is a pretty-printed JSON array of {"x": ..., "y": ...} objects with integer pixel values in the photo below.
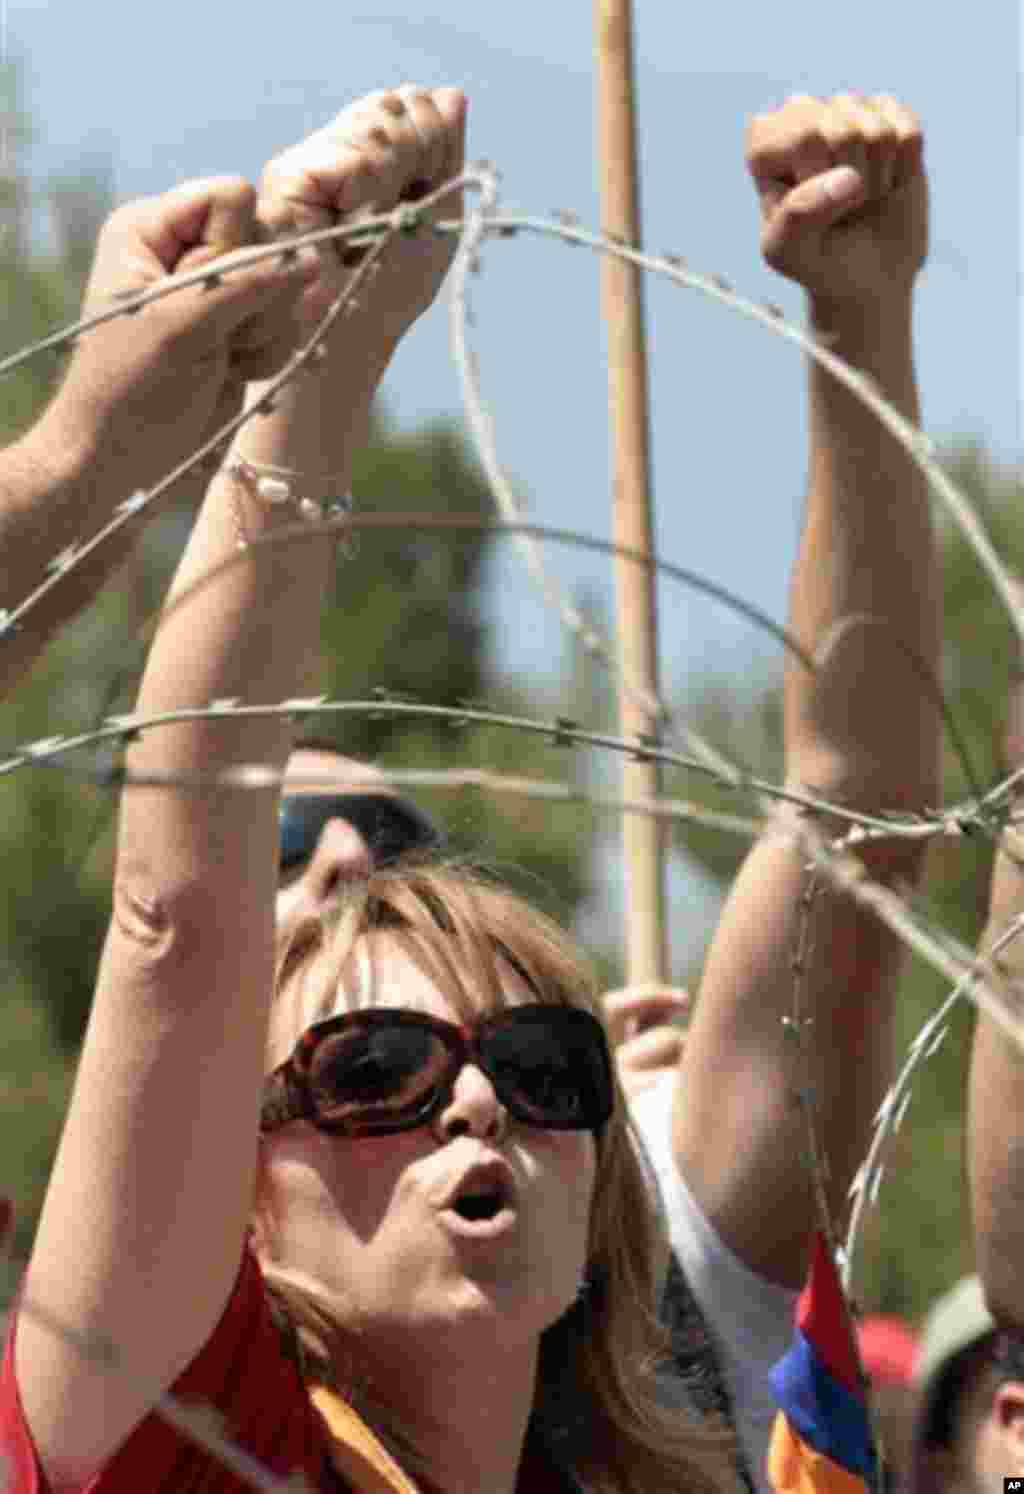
[
  {"x": 373, "y": 1072},
  {"x": 390, "y": 826}
]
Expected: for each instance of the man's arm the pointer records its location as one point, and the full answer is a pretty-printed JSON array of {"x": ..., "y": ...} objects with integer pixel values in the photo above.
[
  {"x": 862, "y": 731},
  {"x": 140, "y": 395},
  {"x": 995, "y": 1096}
]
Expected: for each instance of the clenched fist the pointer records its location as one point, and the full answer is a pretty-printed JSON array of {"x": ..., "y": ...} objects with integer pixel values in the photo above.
[
  {"x": 844, "y": 199},
  {"x": 144, "y": 390},
  {"x": 393, "y": 146}
]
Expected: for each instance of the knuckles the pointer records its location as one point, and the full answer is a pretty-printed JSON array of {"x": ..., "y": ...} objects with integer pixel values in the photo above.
[
  {"x": 846, "y": 121},
  {"x": 374, "y": 149}
]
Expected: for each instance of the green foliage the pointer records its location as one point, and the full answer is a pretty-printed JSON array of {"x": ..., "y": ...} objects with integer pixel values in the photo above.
[
  {"x": 405, "y": 616},
  {"x": 747, "y": 725}
]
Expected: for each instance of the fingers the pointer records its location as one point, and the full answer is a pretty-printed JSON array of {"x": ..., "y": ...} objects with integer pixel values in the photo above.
[
  {"x": 908, "y": 133},
  {"x": 424, "y": 130},
  {"x": 877, "y": 138},
  {"x": 451, "y": 106},
  {"x": 642, "y": 1060},
  {"x": 390, "y": 146},
  {"x": 425, "y": 119},
  {"x": 184, "y": 229},
  {"x": 658, "y": 1048},
  {"x": 181, "y": 348},
  {"x": 636, "y": 1007},
  {"x": 215, "y": 213}
]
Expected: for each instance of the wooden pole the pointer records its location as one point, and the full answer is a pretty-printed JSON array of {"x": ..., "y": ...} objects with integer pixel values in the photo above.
[{"x": 622, "y": 298}]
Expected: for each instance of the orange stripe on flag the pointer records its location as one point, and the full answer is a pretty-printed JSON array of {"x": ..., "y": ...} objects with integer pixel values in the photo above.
[{"x": 795, "y": 1468}]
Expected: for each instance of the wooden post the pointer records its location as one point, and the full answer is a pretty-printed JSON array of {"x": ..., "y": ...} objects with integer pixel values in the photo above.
[{"x": 622, "y": 297}]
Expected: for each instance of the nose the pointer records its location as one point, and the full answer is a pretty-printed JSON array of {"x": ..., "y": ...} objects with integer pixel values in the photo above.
[
  {"x": 472, "y": 1108},
  {"x": 341, "y": 855}
]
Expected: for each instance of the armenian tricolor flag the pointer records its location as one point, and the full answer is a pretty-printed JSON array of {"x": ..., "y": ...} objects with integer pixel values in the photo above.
[{"x": 821, "y": 1440}]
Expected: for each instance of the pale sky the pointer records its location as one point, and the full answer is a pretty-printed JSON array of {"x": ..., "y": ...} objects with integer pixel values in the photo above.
[{"x": 175, "y": 92}]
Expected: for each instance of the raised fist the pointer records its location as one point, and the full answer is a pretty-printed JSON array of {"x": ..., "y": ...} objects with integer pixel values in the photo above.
[
  {"x": 844, "y": 199},
  {"x": 149, "y": 387},
  {"x": 390, "y": 147}
]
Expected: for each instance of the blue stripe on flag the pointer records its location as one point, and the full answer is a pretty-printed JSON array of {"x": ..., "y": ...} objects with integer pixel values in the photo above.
[{"x": 827, "y": 1415}]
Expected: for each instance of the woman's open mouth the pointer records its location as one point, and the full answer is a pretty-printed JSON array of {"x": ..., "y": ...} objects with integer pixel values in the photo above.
[
  {"x": 483, "y": 1209},
  {"x": 480, "y": 1223}
]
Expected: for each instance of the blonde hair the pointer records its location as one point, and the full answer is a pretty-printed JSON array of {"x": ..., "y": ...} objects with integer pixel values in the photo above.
[{"x": 597, "y": 1404}]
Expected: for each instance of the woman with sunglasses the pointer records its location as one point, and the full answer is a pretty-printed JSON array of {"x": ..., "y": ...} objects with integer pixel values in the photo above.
[{"x": 369, "y": 1192}]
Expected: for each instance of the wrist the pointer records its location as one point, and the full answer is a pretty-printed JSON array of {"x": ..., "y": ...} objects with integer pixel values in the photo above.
[
  {"x": 318, "y": 420},
  {"x": 880, "y": 321},
  {"x": 358, "y": 358}
]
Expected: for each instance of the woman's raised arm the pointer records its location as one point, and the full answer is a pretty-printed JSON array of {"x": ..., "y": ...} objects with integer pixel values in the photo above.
[{"x": 144, "y": 1220}]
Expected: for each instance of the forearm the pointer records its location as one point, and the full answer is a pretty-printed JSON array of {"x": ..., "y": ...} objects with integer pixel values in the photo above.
[
  {"x": 995, "y": 1105},
  {"x": 320, "y": 418},
  {"x": 867, "y": 734},
  {"x": 867, "y": 727},
  {"x": 242, "y": 622},
  {"x": 996, "y": 1167},
  {"x": 53, "y": 494}
]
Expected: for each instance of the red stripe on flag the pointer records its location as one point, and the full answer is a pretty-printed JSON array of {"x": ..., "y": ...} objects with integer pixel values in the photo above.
[{"x": 822, "y": 1316}]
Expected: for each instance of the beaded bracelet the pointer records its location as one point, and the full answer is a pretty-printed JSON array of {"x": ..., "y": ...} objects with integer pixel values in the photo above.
[{"x": 273, "y": 486}]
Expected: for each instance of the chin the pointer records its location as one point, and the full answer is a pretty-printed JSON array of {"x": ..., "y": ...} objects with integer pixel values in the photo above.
[{"x": 512, "y": 1311}]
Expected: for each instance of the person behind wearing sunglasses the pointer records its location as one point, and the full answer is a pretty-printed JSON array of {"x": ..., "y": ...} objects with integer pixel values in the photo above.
[{"x": 339, "y": 818}]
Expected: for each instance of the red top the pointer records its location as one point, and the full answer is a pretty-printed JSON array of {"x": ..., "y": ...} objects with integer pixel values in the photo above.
[
  {"x": 243, "y": 1371},
  {"x": 266, "y": 1408}
]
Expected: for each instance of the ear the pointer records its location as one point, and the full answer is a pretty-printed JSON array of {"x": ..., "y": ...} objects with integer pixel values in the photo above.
[{"x": 1008, "y": 1415}]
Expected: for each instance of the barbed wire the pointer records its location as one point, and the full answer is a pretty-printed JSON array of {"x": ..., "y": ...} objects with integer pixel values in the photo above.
[
  {"x": 374, "y": 233},
  {"x": 122, "y": 729},
  {"x": 73, "y": 555},
  {"x": 798, "y": 1027},
  {"x": 976, "y": 814},
  {"x": 868, "y": 1180},
  {"x": 783, "y": 811},
  {"x": 844, "y": 869}
]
